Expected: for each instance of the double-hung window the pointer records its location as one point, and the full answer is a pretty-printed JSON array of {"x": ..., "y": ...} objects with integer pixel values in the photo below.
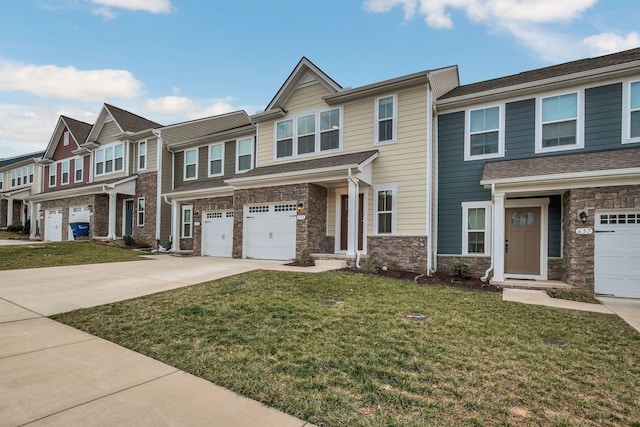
[
  {"x": 244, "y": 154},
  {"x": 78, "y": 169},
  {"x": 216, "y": 159},
  {"x": 142, "y": 155},
  {"x": 476, "y": 218},
  {"x": 14, "y": 178},
  {"x": 560, "y": 123},
  {"x": 187, "y": 221},
  {"x": 109, "y": 159},
  {"x": 484, "y": 137},
  {"x": 190, "y": 164},
  {"x": 140, "y": 211},
  {"x": 308, "y": 134},
  {"x": 31, "y": 173},
  {"x": 53, "y": 169},
  {"x": 65, "y": 172},
  {"x": 386, "y": 120},
  {"x": 385, "y": 209},
  {"x": 632, "y": 118}
]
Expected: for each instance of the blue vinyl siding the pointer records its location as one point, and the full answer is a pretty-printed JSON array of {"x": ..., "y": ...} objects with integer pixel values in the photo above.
[
  {"x": 603, "y": 117},
  {"x": 520, "y": 129}
]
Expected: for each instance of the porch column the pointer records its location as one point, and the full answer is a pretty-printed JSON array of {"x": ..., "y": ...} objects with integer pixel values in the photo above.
[
  {"x": 352, "y": 221},
  {"x": 175, "y": 220},
  {"x": 498, "y": 236},
  {"x": 9, "y": 211},
  {"x": 33, "y": 220},
  {"x": 112, "y": 215}
]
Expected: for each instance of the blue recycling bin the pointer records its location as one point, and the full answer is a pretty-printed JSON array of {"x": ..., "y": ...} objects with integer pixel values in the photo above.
[{"x": 79, "y": 229}]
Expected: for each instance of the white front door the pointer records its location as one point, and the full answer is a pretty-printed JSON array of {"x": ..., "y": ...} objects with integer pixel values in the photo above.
[
  {"x": 217, "y": 233},
  {"x": 53, "y": 225},
  {"x": 617, "y": 254},
  {"x": 270, "y": 231}
]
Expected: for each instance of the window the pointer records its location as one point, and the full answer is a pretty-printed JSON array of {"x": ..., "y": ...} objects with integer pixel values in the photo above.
[
  {"x": 79, "y": 169},
  {"x": 65, "y": 172},
  {"x": 216, "y": 159},
  {"x": 560, "y": 123},
  {"x": 14, "y": 178},
  {"x": 475, "y": 228},
  {"x": 1, "y": 180},
  {"x": 140, "y": 211},
  {"x": 386, "y": 126},
  {"x": 53, "y": 169},
  {"x": 110, "y": 159},
  {"x": 244, "y": 154},
  {"x": 31, "y": 173},
  {"x": 484, "y": 136},
  {"x": 65, "y": 138},
  {"x": 191, "y": 164},
  {"x": 632, "y": 118},
  {"x": 187, "y": 221},
  {"x": 385, "y": 209},
  {"x": 142, "y": 155},
  {"x": 314, "y": 133}
]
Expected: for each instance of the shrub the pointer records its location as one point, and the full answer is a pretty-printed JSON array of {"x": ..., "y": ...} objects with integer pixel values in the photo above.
[
  {"x": 27, "y": 227},
  {"x": 369, "y": 266},
  {"x": 14, "y": 228},
  {"x": 460, "y": 269},
  {"x": 304, "y": 258},
  {"x": 128, "y": 240}
]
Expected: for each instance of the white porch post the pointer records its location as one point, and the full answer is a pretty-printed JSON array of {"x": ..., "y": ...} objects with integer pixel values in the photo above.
[
  {"x": 352, "y": 221},
  {"x": 112, "y": 215},
  {"x": 175, "y": 220},
  {"x": 9, "y": 211},
  {"x": 498, "y": 236},
  {"x": 33, "y": 220}
]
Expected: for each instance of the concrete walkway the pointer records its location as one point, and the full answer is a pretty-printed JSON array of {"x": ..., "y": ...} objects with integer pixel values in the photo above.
[
  {"x": 55, "y": 375},
  {"x": 627, "y": 309}
]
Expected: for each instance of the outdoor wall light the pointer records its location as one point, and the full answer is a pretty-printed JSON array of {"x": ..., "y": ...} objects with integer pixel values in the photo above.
[
  {"x": 300, "y": 207},
  {"x": 583, "y": 216}
]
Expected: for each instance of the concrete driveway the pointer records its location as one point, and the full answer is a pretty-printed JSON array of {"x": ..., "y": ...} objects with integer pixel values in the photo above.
[{"x": 55, "y": 375}]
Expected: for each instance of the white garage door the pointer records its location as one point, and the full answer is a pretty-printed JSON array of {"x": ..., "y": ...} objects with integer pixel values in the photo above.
[
  {"x": 617, "y": 254},
  {"x": 53, "y": 225},
  {"x": 217, "y": 233},
  {"x": 270, "y": 231}
]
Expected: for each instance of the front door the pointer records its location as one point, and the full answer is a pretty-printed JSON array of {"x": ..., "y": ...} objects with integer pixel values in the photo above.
[
  {"x": 344, "y": 220},
  {"x": 522, "y": 241},
  {"x": 128, "y": 217}
]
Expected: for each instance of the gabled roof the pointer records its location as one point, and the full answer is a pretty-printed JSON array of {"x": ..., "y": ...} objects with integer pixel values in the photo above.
[
  {"x": 79, "y": 131},
  {"x": 303, "y": 70},
  {"x": 539, "y": 75},
  {"x": 129, "y": 122},
  {"x": 20, "y": 158}
]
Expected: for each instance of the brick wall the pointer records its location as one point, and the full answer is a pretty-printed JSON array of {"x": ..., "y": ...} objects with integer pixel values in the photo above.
[
  {"x": 146, "y": 186},
  {"x": 18, "y": 213},
  {"x": 399, "y": 252},
  {"x": 3, "y": 213}
]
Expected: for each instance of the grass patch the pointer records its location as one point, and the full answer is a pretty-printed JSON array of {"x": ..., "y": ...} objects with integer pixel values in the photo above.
[
  {"x": 572, "y": 296},
  {"x": 476, "y": 360},
  {"x": 61, "y": 253},
  {"x": 12, "y": 235}
]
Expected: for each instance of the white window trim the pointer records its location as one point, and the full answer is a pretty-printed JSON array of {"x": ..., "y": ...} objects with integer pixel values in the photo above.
[
  {"x": 32, "y": 171},
  {"x": 317, "y": 151},
  {"x": 1, "y": 180},
  {"x": 394, "y": 121},
  {"x": 467, "y": 133},
  {"x": 209, "y": 159},
  {"x": 487, "y": 227},
  {"x": 579, "y": 123},
  {"x": 62, "y": 164},
  {"x": 182, "y": 221},
  {"x": 53, "y": 167},
  {"x": 104, "y": 161},
  {"x": 78, "y": 161},
  {"x": 65, "y": 138},
  {"x": 394, "y": 208},
  {"x": 184, "y": 164},
  {"x": 626, "y": 113},
  {"x": 146, "y": 157},
  {"x": 238, "y": 155},
  {"x": 138, "y": 212}
]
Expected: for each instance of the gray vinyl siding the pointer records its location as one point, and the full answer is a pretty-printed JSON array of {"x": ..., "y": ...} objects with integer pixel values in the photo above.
[
  {"x": 603, "y": 117},
  {"x": 519, "y": 130},
  {"x": 203, "y": 163},
  {"x": 179, "y": 169}
]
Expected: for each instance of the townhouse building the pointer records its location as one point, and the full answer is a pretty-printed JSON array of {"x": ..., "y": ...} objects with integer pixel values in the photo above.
[{"x": 19, "y": 179}]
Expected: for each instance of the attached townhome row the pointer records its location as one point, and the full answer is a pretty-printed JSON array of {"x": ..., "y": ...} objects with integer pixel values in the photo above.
[{"x": 532, "y": 178}]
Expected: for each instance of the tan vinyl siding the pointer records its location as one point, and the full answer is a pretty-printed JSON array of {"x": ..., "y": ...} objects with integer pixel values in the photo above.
[
  {"x": 179, "y": 168},
  {"x": 106, "y": 135},
  {"x": 167, "y": 176},
  {"x": 152, "y": 155}
]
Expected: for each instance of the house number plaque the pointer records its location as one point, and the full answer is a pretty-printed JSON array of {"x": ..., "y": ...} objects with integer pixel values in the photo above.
[{"x": 584, "y": 230}]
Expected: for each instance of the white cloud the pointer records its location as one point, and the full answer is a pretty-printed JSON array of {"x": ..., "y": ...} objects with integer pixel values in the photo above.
[
  {"x": 152, "y": 6},
  {"x": 601, "y": 44},
  {"x": 176, "y": 108},
  {"x": 52, "y": 81},
  {"x": 104, "y": 12}
]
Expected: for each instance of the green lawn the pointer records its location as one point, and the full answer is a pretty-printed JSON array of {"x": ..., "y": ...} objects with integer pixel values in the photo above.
[
  {"x": 476, "y": 361},
  {"x": 15, "y": 257},
  {"x": 11, "y": 235}
]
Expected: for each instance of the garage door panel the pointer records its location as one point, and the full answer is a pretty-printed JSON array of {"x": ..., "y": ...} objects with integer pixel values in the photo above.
[
  {"x": 217, "y": 234},
  {"x": 53, "y": 225},
  {"x": 270, "y": 231}
]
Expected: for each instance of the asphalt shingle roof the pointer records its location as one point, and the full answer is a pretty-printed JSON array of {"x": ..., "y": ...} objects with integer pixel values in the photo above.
[
  {"x": 79, "y": 130},
  {"x": 130, "y": 122},
  {"x": 17, "y": 159}
]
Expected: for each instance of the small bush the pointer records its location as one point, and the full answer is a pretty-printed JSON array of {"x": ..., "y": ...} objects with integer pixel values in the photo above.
[
  {"x": 460, "y": 269},
  {"x": 369, "y": 266},
  {"x": 27, "y": 227},
  {"x": 14, "y": 228},
  {"x": 128, "y": 240}
]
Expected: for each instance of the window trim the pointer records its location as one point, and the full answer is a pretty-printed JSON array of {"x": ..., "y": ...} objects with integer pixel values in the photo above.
[
  {"x": 579, "y": 122},
  {"x": 78, "y": 161},
  {"x": 53, "y": 173},
  {"x": 394, "y": 208},
  {"x": 183, "y": 222},
  {"x": 626, "y": 113},
  {"x": 487, "y": 227},
  {"x": 1, "y": 180},
  {"x": 394, "y": 123},
  {"x": 143, "y": 156},
  {"x": 140, "y": 211},
  {"x": 66, "y": 162},
  {"x": 104, "y": 161},
  {"x": 317, "y": 132},
  {"x": 251, "y": 154},
  {"x": 185, "y": 164},
  {"x": 209, "y": 159},
  {"x": 467, "y": 133},
  {"x": 65, "y": 138}
]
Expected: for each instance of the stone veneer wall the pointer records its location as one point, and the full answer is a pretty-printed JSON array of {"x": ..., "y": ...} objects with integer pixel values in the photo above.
[
  {"x": 578, "y": 250},
  {"x": 202, "y": 206},
  {"x": 4, "y": 205},
  {"x": 555, "y": 268},
  {"x": 310, "y": 232},
  {"x": 399, "y": 252},
  {"x": 146, "y": 186},
  {"x": 17, "y": 212},
  {"x": 478, "y": 265}
]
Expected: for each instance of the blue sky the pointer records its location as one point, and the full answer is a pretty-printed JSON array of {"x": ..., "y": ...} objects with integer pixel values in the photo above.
[{"x": 176, "y": 60}]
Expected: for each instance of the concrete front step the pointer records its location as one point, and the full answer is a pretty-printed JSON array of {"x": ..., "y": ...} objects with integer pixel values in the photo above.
[
  {"x": 531, "y": 284},
  {"x": 334, "y": 264}
]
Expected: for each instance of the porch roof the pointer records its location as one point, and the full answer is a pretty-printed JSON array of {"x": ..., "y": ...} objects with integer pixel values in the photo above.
[{"x": 84, "y": 189}]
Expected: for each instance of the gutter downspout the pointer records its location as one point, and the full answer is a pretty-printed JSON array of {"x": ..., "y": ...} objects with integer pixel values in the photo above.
[
  {"x": 429, "y": 182},
  {"x": 172, "y": 219},
  {"x": 355, "y": 228},
  {"x": 159, "y": 166},
  {"x": 486, "y": 273}
]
